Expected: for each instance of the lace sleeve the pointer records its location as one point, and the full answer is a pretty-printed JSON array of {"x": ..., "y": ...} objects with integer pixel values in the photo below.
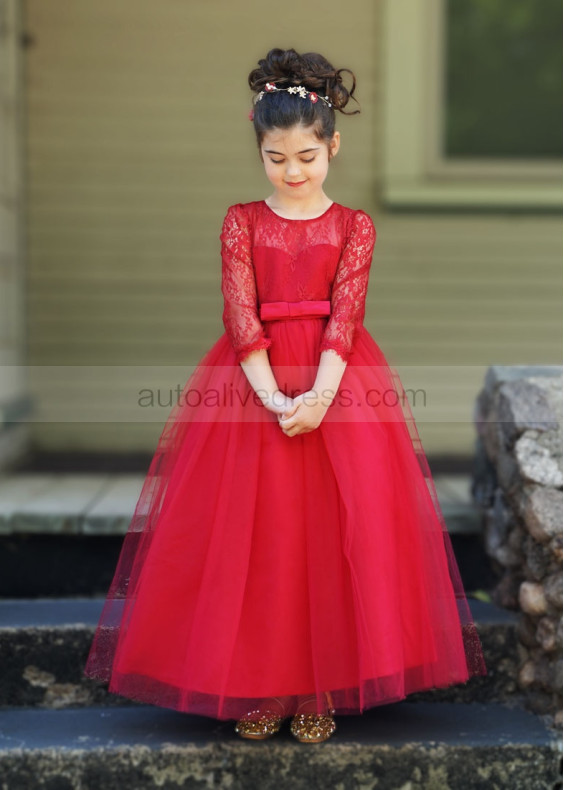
[
  {"x": 238, "y": 286},
  {"x": 349, "y": 287}
]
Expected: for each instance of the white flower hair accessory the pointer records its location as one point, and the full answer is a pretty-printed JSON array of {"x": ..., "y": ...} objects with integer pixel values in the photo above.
[{"x": 270, "y": 87}]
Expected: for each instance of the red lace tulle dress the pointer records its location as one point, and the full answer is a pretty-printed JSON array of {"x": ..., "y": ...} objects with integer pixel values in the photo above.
[{"x": 258, "y": 564}]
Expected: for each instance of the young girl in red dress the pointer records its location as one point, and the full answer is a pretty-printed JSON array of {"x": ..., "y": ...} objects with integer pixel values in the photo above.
[{"x": 288, "y": 557}]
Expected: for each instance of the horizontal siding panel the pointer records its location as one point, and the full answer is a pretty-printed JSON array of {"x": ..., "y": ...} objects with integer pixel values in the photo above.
[
  {"x": 132, "y": 437},
  {"x": 112, "y": 268},
  {"x": 169, "y": 309},
  {"x": 148, "y": 351}
]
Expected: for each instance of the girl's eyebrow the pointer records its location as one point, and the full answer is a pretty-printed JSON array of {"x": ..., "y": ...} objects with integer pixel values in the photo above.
[{"x": 305, "y": 151}]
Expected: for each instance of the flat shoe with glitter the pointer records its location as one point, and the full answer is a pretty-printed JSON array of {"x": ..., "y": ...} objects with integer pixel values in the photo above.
[
  {"x": 313, "y": 727},
  {"x": 260, "y": 723}
]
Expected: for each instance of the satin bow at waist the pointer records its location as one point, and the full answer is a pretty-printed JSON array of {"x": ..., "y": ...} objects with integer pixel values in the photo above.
[{"x": 279, "y": 311}]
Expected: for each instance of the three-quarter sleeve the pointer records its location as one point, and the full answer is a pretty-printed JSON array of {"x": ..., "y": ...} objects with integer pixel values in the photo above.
[
  {"x": 238, "y": 285},
  {"x": 348, "y": 295}
]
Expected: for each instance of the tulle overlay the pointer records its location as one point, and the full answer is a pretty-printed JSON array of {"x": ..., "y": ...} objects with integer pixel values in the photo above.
[{"x": 258, "y": 565}]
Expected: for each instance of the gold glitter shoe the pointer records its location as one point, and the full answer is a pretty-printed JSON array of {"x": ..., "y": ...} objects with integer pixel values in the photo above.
[
  {"x": 260, "y": 723},
  {"x": 313, "y": 727}
]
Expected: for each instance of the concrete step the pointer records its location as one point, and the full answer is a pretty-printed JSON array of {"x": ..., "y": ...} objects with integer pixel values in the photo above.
[
  {"x": 61, "y": 533},
  {"x": 44, "y": 644},
  {"x": 404, "y": 746},
  {"x": 65, "y": 504},
  {"x": 102, "y": 504}
]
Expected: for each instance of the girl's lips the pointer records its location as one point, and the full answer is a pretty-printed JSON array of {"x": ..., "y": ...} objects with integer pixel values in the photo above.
[{"x": 295, "y": 183}]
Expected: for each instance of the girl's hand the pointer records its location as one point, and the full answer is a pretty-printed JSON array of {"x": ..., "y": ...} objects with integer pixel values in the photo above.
[
  {"x": 306, "y": 414},
  {"x": 278, "y": 403}
]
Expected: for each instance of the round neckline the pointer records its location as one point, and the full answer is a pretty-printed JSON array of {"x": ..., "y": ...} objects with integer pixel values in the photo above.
[{"x": 298, "y": 219}]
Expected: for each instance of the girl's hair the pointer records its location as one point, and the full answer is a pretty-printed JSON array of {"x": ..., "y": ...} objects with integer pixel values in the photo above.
[{"x": 281, "y": 109}]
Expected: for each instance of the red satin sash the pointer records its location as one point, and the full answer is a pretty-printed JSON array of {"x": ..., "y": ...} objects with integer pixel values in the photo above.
[{"x": 280, "y": 311}]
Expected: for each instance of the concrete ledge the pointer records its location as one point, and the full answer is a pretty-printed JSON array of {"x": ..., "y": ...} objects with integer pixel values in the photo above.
[
  {"x": 44, "y": 645},
  {"x": 95, "y": 504},
  {"x": 48, "y": 612},
  {"x": 68, "y": 503},
  {"x": 429, "y": 746}
]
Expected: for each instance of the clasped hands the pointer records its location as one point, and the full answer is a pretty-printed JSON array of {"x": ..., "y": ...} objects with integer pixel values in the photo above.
[{"x": 301, "y": 414}]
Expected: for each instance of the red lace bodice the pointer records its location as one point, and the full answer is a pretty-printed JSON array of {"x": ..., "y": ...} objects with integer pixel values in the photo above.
[{"x": 266, "y": 258}]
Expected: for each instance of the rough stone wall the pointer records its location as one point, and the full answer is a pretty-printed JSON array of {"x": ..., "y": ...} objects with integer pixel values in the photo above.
[{"x": 518, "y": 485}]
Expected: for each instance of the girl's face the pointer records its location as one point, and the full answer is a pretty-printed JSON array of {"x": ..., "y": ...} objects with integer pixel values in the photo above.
[{"x": 295, "y": 156}]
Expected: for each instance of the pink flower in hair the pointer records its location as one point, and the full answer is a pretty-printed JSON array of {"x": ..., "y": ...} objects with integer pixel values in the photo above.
[{"x": 313, "y": 97}]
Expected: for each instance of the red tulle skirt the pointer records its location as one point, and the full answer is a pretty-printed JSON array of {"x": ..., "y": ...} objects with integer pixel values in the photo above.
[{"x": 260, "y": 565}]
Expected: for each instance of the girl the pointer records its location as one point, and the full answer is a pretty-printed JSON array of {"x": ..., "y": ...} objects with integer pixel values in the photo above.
[{"x": 288, "y": 556}]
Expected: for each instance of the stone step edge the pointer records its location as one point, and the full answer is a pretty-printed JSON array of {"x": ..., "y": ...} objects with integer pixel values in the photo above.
[
  {"x": 396, "y": 724},
  {"x": 45, "y": 644},
  {"x": 461, "y": 747},
  {"x": 103, "y": 504},
  {"x": 17, "y": 613}
]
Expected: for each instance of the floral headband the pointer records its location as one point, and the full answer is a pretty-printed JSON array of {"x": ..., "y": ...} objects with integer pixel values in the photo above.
[{"x": 270, "y": 87}]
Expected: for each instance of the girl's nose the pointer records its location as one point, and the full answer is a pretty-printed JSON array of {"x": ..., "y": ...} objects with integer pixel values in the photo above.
[{"x": 293, "y": 169}]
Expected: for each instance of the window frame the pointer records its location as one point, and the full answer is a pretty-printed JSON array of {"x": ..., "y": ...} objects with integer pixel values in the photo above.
[{"x": 416, "y": 175}]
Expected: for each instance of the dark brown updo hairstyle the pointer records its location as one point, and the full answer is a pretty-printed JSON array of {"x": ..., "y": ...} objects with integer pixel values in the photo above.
[{"x": 281, "y": 109}]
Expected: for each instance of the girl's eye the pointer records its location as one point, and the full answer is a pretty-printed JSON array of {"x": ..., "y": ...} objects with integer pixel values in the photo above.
[{"x": 279, "y": 161}]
